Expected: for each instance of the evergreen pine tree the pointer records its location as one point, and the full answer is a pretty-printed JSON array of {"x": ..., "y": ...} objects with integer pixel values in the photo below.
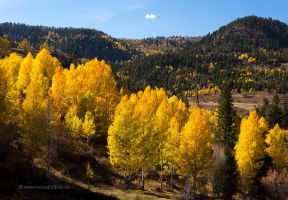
[
  {"x": 274, "y": 112},
  {"x": 225, "y": 116},
  {"x": 230, "y": 174},
  {"x": 284, "y": 118},
  {"x": 227, "y": 137}
]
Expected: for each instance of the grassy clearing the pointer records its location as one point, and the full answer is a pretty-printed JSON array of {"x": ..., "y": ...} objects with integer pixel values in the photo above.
[{"x": 243, "y": 103}]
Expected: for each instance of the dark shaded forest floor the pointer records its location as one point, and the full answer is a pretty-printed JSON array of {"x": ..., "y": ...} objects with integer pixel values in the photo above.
[{"x": 20, "y": 180}]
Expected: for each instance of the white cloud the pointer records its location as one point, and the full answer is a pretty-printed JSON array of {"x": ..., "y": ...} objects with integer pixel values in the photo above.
[{"x": 151, "y": 16}]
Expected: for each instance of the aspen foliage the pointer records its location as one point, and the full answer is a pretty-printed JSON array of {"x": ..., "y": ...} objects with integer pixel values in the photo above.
[
  {"x": 148, "y": 140},
  {"x": 91, "y": 87},
  {"x": 178, "y": 119},
  {"x": 249, "y": 150},
  {"x": 10, "y": 66},
  {"x": 195, "y": 156},
  {"x": 277, "y": 148},
  {"x": 122, "y": 137},
  {"x": 24, "y": 73},
  {"x": 36, "y": 106}
]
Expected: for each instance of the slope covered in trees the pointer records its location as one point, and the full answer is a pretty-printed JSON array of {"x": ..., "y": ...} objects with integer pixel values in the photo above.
[
  {"x": 74, "y": 42},
  {"x": 251, "y": 52},
  {"x": 162, "y": 44}
]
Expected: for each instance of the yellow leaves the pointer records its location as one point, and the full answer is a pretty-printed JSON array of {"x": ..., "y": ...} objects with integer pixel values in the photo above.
[
  {"x": 25, "y": 45},
  {"x": 244, "y": 55},
  {"x": 195, "y": 150},
  {"x": 249, "y": 149},
  {"x": 251, "y": 60},
  {"x": 211, "y": 66},
  {"x": 277, "y": 149},
  {"x": 146, "y": 130},
  {"x": 24, "y": 72},
  {"x": 205, "y": 91},
  {"x": 263, "y": 124},
  {"x": 80, "y": 128},
  {"x": 45, "y": 64},
  {"x": 11, "y": 65},
  {"x": 88, "y": 125},
  {"x": 92, "y": 83},
  {"x": 122, "y": 136},
  {"x": 89, "y": 171},
  {"x": 5, "y": 46}
]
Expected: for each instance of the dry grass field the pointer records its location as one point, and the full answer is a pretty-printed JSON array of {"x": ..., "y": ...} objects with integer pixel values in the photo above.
[{"x": 243, "y": 102}]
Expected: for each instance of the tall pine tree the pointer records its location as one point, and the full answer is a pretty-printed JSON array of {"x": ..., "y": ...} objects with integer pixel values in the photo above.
[
  {"x": 227, "y": 137},
  {"x": 274, "y": 113}
]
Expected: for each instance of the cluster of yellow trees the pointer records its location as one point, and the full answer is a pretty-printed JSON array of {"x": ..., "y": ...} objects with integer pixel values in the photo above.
[
  {"x": 41, "y": 98},
  {"x": 150, "y": 129},
  {"x": 245, "y": 56},
  {"x": 251, "y": 149},
  {"x": 153, "y": 131},
  {"x": 146, "y": 130},
  {"x": 205, "y": 91}
]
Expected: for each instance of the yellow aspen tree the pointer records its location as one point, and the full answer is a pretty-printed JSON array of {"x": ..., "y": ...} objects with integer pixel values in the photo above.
[
  {"x": 4, "y": 136},
  {"x": 78, "y": 127},
  {"x": 71, "y": 88},
  {"x": 45, "y": 64},
  {"x": 35, "y": 109},
  {"x": 58, "y": 91},
  {"x": 73, "y": 123},
  {"x": 162, "y": 125},
  {"x": 180, "y": 116},
  {"x": 11, "y": 66},
  {"x": 24, "y": 73},
  {"x": 147, "y": 143},
  {"x": 97, "y": 78},
  {"x": 277, "y": 149},
  {"x": 88, "y": 126},
  {"x": 169, "y": 117},
  {"x": 195, "y": 155},
  {"x": 249, "y": 150},
  {"x": 92, "y": 87},
  {"x": 25, "y": 46},
  {"x": 5, "y": 47},
  {"x": 122, "y": 137}
]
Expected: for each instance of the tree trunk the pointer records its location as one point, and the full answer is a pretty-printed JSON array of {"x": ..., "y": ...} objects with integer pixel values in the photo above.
[
  {"x": 49, "y": 156},
  {"x": 49, "y": 141},
  {"x": 142, "y": 178},
  {"x": 171, "y": 177},
  {"x": 58, "y": 138},
  {"x": 161, "y": 173},
  {"x": 30, "y": 157},
  {"x": 197, "y": 98}
]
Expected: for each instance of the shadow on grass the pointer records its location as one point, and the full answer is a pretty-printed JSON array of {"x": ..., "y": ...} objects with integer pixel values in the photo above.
[{"x": 19, "y": 180}]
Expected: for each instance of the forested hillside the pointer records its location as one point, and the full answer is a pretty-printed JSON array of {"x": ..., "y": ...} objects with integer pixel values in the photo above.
[
  {"x": 251, "y": 51},
  {"x": 76, "y": 43},
  {"x": 162, "y": 44}
]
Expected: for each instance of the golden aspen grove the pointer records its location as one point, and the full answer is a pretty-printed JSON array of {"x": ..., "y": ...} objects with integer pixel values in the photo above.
[
  {"x": 166, "y": 105},
  {"x": 56, "y": 108}
]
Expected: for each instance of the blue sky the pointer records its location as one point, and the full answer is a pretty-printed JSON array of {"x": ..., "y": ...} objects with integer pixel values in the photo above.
[{"x": 140, "y": 18}]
